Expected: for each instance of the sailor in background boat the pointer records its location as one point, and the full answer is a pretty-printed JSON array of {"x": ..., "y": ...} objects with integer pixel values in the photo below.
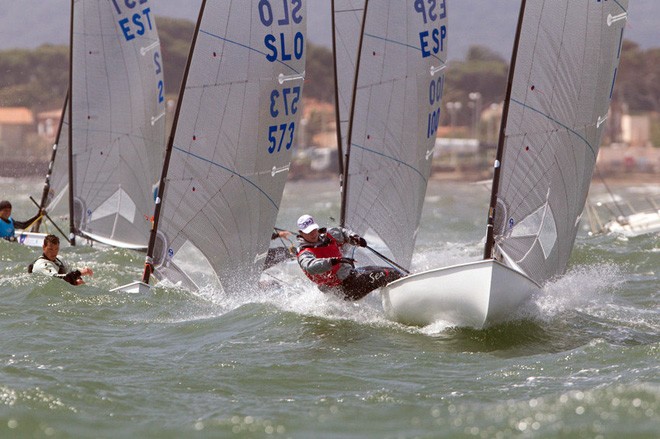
[
  {"x": 49, "y": 264},
  {"x": 321, "y": 259},
  {"x": 8, "y": 225}
]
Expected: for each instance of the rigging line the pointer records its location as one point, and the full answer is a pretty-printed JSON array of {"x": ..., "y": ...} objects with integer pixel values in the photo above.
[
  {"x": 619, "y": 4},
  {"x": 51, "y": 220},
  {"x": 387, "y": 40},
  {"x": 230, "y": 171},
  {"x": 558, "y": 123},
  {"x": 600, "y": 176},
  {"x": 245, "y": 46},
  {"x": 391, "y": 158},
  {"x": 388, "y": 260}
]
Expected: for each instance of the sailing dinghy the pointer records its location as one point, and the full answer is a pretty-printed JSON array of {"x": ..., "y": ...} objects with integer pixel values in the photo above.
[
  {"x": 228, "y": 156},
  {"x": 109, "y": 149},
  {"x": 563, "y": 69},
  {"x": 624, "y": 219}
]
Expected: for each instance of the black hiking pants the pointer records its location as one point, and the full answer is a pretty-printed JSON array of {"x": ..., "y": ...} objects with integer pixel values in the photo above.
[{"x": 364, "y": 280}]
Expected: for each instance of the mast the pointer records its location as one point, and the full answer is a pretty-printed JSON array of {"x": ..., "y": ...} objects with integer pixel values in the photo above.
[
  {"x": 344, "y": 192},
  {"x": 168, "y": 153},
  {"x": 340, "y": 147},
  {"x": 44, "y": 195},
  {"x": 72, "y": 227},
  {"x": 490, "y": 232}
]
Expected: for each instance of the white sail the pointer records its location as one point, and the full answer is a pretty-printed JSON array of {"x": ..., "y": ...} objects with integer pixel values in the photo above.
[
  {"x": 564, "y": 65},
  {"x": 235, "y": 127},
  {"x": 562, "y": 85},
  {"x": 118, "y": 119},
  {"x": 400, "y": 83},
  {"x": 347, "y": 15}
]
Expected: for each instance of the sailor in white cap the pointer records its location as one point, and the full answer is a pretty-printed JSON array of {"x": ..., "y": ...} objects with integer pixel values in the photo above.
[{"x": 321, "y": 259}]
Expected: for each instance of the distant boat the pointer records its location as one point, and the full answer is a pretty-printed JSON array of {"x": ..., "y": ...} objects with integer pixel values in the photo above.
[
  {"x": 110, "y": 144},
  {"x": 563, "y": 68},
  {"x": 623, "y": 220},
  {"x": 229, "y": 153},
  {"x": 635, "y": 224}
]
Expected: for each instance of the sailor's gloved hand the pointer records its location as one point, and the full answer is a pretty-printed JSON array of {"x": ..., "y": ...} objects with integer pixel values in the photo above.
[
  {"x": 357, "y": 240},
  {"x": 336, "y": 261}
]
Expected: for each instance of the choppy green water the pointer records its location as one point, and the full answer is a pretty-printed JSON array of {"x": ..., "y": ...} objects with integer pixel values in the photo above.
[{"x": 84, "y": 362}]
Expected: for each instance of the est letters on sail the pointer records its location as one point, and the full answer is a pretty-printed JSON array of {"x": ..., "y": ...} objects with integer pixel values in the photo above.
[{"x": 118, "y": 119}]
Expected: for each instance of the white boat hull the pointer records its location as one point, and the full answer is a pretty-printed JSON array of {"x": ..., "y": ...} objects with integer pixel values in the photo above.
[
  {"x": 136, "y": 287},
  {"x": 636, "y": 224},
  {"x": 30, "y": 239},
  {"x": 115, "y": 243},
  {"x": 476, "y": 294}
]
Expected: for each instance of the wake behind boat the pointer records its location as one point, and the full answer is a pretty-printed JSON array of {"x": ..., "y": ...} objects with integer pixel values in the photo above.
[{"x": 560, "y": 85}]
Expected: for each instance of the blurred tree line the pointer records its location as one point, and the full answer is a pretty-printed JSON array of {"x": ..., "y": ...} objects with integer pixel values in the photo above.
[
  {"x": 38, "y": 79},
  {"x": 485, "y": 72}
]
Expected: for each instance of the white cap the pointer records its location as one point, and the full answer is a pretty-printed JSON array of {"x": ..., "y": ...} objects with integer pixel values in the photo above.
[{"x": 306, "y": 224}]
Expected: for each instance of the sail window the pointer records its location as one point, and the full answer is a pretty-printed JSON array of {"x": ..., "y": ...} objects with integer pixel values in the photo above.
[
  {"x": 119, "y": 203},
  {"x": 540, "y": 223},
  {"x": 548, "y": 235},
  {"x": 528, "y": 226},
  {"x": 195, "y": 265}
]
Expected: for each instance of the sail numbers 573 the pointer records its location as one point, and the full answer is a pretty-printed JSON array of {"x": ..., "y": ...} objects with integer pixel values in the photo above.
[
  {"x": 287, "y": 100},
  {"x": 283, "y": 44},
  {"x": 283, "y": 103}
]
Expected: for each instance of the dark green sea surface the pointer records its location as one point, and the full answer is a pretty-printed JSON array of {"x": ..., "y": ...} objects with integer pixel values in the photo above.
[{"x": 582, "y": 360}]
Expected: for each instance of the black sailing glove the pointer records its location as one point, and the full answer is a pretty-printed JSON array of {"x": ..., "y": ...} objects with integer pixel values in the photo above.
[
  {"x": 357, "y": 240},
  {"x": 336, "y": 261}
]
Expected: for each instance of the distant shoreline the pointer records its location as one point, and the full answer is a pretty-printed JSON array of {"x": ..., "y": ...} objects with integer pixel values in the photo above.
[
  {"x": 34, "y": 170},
  {"x": 619, "y": 178}
]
